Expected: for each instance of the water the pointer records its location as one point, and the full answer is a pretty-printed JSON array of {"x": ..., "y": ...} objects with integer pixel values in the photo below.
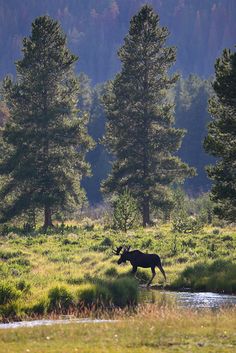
[
  {"x": 50, "y": 322},
  {"x": 181, "y": 299},
  {"x": 206, "y": 300}
]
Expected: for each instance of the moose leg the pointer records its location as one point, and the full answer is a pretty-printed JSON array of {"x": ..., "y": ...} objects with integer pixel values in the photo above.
[
  {"x": 134, "y": 270},
  {"x": 153, "y": 275},
  {"x": 162, "y": 270}
]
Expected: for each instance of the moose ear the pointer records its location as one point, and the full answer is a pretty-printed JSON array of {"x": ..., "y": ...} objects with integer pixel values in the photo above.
[{"x": 128, "y": 247}]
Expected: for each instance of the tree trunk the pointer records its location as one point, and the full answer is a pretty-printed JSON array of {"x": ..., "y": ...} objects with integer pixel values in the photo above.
[
  {"x": 146, "y": 212},
  {"x": 47, "y": 217}
]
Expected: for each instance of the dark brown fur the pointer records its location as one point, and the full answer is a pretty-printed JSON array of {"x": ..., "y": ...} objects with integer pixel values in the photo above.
[{"x": 140, "y": 259}]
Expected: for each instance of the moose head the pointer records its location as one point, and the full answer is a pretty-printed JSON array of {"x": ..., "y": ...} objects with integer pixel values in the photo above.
[{"x": 123, "y": 255}]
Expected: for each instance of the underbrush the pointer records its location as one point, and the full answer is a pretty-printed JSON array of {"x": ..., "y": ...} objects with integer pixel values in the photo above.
[
  {"x": 95, "y": 294},
  {"x": 218, "y": 276},
  {"x": 81, "y": 261}
]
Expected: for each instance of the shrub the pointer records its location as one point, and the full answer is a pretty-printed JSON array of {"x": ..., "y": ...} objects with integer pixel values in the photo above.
[
  {"x": 146, "y": 243},
  {"x": 107, "y": 242},
  {"x": 75, "y": 280},
  {"x": 94, "y": 293},
  {"x": 23, "y": 286},
  {"x": 39, "y": 308},
  {"x": 187, "y": 225},
  {"x": 4, "y": 229},
  {"x": 10, "y": 311},
  {"x": 217, "y": 276},
  {"x": 8, "y": 293},
  {"x": 111, "y": 272},
  {"x": 6, "y": 255},
  {"x": 59, "y": 299},
  {"x": 216, "y": 231},
  {"x": 120, "y": 292},
  {"x": 125, "y": 211},
  {"x": 124, "y": 292}
]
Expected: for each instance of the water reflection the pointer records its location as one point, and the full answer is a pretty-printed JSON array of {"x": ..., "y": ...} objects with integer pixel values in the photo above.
[{"x": 198, "y": 300}]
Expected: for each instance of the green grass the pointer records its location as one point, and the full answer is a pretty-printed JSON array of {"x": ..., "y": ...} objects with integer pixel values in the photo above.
[
  {"x": 151, "y": 330},
  {"x": 32, "y": 265}
]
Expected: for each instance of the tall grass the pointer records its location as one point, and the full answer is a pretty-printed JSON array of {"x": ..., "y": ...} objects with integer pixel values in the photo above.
[{"x": 218, "y": 276}]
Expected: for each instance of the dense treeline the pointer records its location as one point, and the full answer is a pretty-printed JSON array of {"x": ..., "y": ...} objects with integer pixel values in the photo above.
[
  {"x": 95, "y": 29},
  {"x": 49, "y": 113}
]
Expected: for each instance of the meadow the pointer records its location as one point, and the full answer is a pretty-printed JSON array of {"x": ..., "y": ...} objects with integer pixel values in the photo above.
[
  {"x": 72, "y": 268},
  {"x": 151, "y": 329}
]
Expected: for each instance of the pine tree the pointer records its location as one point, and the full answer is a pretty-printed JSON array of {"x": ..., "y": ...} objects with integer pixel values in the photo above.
[
  {"x": 139, "y": 129},
  {"x": 221, "y": 139},
  {"x": 45, "y": 140}
]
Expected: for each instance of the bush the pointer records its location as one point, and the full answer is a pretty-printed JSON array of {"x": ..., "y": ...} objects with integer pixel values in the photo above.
[
  {"x": 187, "y": 225},
  {"x": 59, "y": 299},
  {"x": 39, "y": 308},
  {"x": 124, "y": 292},
  {"x": 218, "y": 276},
  {"x": 111, "y": 272},
  {"x": 94, "y": 293},
  {"x": 8, "y": 293},
  {"x": 23, "y": 286},
  {"x": 119, "y": 292},
  {"x": 107, "y": 242},
  {"x": 216, "y": 231},
  {"x": 125, "y": 211},
  {"x": 6, "y": 255}
]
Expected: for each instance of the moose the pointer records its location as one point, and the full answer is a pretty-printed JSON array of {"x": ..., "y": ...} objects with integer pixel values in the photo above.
[{"x": 139, "y": 259}]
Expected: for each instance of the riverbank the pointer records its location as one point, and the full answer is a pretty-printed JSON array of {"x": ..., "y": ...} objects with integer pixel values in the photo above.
[
  {"x": 152, "y": 329},
  {"x": 63, "y": 272}
]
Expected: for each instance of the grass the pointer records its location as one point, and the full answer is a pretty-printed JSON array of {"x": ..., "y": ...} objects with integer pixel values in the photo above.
[
  {"x": 33, "y": 264},
  {"x": 151, "y": 329}
]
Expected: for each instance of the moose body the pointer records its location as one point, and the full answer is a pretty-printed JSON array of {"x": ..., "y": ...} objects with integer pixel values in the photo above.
[{"x": 140, "y": 259}]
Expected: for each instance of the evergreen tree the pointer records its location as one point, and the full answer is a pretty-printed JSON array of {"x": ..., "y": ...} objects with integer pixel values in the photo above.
[
  {"x": 221, "y": 139},
  {"x": 191, "y": 99},
  {"x": 90, "y": 102},
  {"x": 45, "y": 140},
  {"x": 139, "y": 129}
]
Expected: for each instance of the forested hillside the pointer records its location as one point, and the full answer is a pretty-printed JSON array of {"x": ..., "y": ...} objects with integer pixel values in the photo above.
[
  {"x": 96, "y": 29},
  {"x": 199, "y": 29}
]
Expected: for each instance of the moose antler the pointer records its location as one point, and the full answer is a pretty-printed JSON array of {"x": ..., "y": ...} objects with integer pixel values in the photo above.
[{"x": 117, "y": 250}]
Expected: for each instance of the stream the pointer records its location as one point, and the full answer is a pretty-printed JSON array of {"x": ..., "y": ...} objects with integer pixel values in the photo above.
[
  {"x": 194, "y": 300},
  {"x": 197, "y": 300}
]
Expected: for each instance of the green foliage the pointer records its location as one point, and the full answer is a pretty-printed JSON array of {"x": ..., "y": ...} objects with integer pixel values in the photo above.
[
  {"x": 221, "y": 139},
  {"x": 111, "y": 272},
  {"x": 191, "y": 95},
  {"x": 187, "y": 224},
  {"x": 107, "y": 242},
  {"x": 8, "y": 293},
  {"x": 124, "y": 291},
  {"x": 60, "y": 299},
  {"x": 94, "y": 294},
  {"x": 33, "y": 266},
  {"x": 39, "y": 308},
  {"x": 139, "y": 129},
  {"x": 44, "y": 141},
  {"x": 120, "y": 292},
  {"x": 125, "y": 211},
  {"x": 23, "y": 286},
  {"x": 218, "y": 276}
]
